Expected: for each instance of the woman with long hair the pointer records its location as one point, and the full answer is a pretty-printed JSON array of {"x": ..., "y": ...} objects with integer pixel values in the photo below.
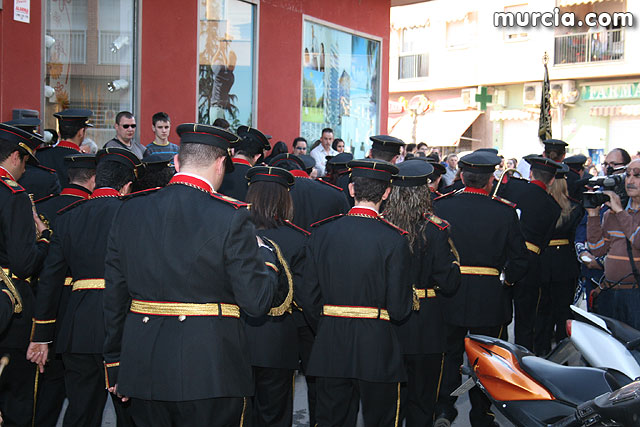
[
  {"x": 273, "y": 338},
  {"x": 559, "y": 269},
  {"x": 435, "y": 270}
]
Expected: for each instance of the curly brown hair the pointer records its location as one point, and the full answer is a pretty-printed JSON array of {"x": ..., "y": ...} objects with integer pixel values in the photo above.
[{"x": 405, "y": 207}]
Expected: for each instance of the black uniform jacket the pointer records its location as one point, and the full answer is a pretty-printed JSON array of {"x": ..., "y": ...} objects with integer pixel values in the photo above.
[
  {"x": 193, "y": 247},
  {"x": 435, "y": 271},
  {"x": 40, "y": 181},
  {"x": 559, "y": 261},
  {"x": 20, "y": 255},
  {"x": 78, "y": 248},
  {"x": 7, "y": 305},
  {"x": 357, "y": 260},
  {"x": 50, "y": 205},
  {"x": 314, "y": 201},
  {"x": 486, "y": 233},
  {"x": 538, "y": 210},
  {"x": 235, "y": 183},
  {"x": 343, "y": 182},
  {"x": 53, "y": 157},
  {"x": 274, "y": 339}
]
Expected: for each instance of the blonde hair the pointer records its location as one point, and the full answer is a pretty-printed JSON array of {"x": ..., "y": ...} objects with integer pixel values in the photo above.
[
  {"x": 405, "y": 207},
  {"x": 560, "y": 193}
]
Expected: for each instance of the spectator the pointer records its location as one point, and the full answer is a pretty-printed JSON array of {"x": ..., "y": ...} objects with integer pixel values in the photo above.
[
  {"x": 125, "y": 131},
  {"x": 299, "y": 146},
  {"x": 452, "y": 168},
  {"x": 423, "y": 148},
  {"x": 161, "y": 126},
  {"x": 221, "y": 123},
  {"x": 338, "y": 145},
  {"x": 617, "y": 238},
  {"x": 278, "y": 148},
  {"x": 89, "y": 146},
  {"x": 323, "y": 150}
]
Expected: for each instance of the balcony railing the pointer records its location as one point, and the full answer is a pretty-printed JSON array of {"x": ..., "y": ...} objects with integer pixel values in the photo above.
[
  {"x": 70, "y": 47},
  {"x": 413, "y": 66},
  {"x": 606, "y": 45}
]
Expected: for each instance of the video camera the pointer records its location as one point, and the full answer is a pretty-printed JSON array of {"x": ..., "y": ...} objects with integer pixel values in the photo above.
[{"x": 595, "y": 198}]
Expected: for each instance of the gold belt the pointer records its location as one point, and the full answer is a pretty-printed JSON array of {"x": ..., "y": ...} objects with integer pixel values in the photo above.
[
  {"x": 87, "y": 284},
  {"x": 479, "y": 271},
  {"x": 425, "y": 293},
  {"x": 13, "y": 276},
  {"x": 166, "y": 308},
  {"x": 558, "y": 242},
  {"x": 533, "y": 248},
  {"x": 355, "y": 312}
]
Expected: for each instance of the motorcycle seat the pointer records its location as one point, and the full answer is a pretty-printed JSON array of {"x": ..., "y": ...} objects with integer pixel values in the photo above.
[
  {"x": 621, "y": 331},
  {"x": 572, "y": 384}
]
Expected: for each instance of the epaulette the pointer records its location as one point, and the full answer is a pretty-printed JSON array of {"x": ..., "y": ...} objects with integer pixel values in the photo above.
[
  {"x": 330, "y": 185},
  {"x": 295, "y": 227},
  {"x": 46, "y": 198},
  {"x": 505, "y": 201},
  {"x": 324, "y": 221},
  {"x": 13, "y": 186},
  {"x": 230, "y": 200},
  {"x": 437, "y": 221},
  {"x": 392, "y": 225},
  {"x": 71, "y": 206},
  {"x": 140, "y": 193}
]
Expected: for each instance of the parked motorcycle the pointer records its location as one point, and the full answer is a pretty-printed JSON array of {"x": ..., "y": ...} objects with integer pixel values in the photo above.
[{"x": 532, "y": 391}]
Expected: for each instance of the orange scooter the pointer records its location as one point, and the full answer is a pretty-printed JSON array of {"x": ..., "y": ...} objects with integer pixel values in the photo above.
[{"x": 531, "y": 391}]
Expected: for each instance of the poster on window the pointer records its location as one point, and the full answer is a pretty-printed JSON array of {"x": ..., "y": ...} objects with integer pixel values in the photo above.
[
  {"x": 340, "y": 86},
  {"x": 225, "y": 71}
]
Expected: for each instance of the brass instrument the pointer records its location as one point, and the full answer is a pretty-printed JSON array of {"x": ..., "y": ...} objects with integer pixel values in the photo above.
[{"x": 495, "y": 190}]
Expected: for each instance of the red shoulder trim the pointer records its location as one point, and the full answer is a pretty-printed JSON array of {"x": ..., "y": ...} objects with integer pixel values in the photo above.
[
  {"x": 230, "y": 200},
  {"x": 46, "y": 168},
  {"x": 322, "y": 221},
  {"x": 505, "y": 201},
  {"x": 71, "y": 206},
  {"x": 437, "y": 221},
  {"x": 45, "y": 198},
  {"x": 295, "y": 227},
  {"x": 392, "y": 225},
  {"x": 330, "y": 184},
  {"x": 450, "y": 193},
  {"x": 12, "y": 185}
]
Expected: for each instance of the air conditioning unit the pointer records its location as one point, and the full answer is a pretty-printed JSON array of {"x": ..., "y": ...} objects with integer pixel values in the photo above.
[
  {"x": 532, "y": 93},
  {"x": 567, "y": 88},
  {"x": 468, "y": 97}
]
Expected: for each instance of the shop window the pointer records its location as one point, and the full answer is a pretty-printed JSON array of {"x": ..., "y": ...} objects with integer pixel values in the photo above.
[
  {"x": 340, "y": 86},
  {"x": 413, "y": 60},
  {"x": 226, "y": 83},
  {"x": 89, "y": 61}
]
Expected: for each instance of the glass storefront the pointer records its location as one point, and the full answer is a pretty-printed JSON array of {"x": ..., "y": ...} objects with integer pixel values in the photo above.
[
  {"x": 341, "y": 86},
  {"x": 226, "y": 61},
  {"x": 89, "y": 61}
]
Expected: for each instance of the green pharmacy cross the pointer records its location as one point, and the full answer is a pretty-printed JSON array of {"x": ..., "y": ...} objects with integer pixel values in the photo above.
[{"x": 483, "y": 98}]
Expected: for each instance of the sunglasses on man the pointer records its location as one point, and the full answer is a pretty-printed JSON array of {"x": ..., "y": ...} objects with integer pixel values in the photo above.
[{"x": 127, "y": 126}]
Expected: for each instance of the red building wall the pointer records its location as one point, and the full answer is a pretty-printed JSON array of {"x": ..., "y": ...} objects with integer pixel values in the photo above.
[{"x": 20, "y": 60}]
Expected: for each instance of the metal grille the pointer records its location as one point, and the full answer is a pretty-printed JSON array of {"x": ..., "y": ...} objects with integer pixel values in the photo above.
[
  {"x": 607, "y": 45},
  {"x": 413, "y": 66},
  {"x": 70, "y": 47}
]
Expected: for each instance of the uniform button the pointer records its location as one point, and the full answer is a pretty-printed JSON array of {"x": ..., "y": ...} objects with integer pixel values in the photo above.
[
  {"x": 182, "y": 318},
  {"x": 145, "y": 319}
]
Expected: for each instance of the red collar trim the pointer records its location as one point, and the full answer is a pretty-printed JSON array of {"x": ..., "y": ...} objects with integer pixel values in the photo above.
[
  {"x": 68, "y": 144},
  {"x": 241, "y": 161},
  {"x": 300, "y": 174},
  {"x": 363, "y": 212},
  {"x": 75, "y": 192},
  {"x": 6, "y": 174},
  {"x": 539, "y": 184},
  {"x": 105, "y": 192},
  {"x": 434, "y": 191},
  {"x": 472, "y": 190},
  {"x": 191, "y": 181}
]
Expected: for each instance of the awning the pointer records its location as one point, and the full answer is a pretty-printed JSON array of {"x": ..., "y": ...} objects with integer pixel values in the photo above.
[
  {"x": 565, "y": 3},
  {"x": 436, "y": 128},
  {"x": 615, "y": 110}
]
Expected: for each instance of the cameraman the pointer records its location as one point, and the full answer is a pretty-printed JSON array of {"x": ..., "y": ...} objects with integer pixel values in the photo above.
[
  {"x": 618, "y": 237},
  {"x": 591, "y": 267}
]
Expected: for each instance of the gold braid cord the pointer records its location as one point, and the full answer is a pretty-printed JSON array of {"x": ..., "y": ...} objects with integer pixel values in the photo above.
[
  {"x": 416, "y": 299},
  {"x": 286, "y": 305},
  {"x": 7, "y": 281},
  {"x": 454, "y": 251}
]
